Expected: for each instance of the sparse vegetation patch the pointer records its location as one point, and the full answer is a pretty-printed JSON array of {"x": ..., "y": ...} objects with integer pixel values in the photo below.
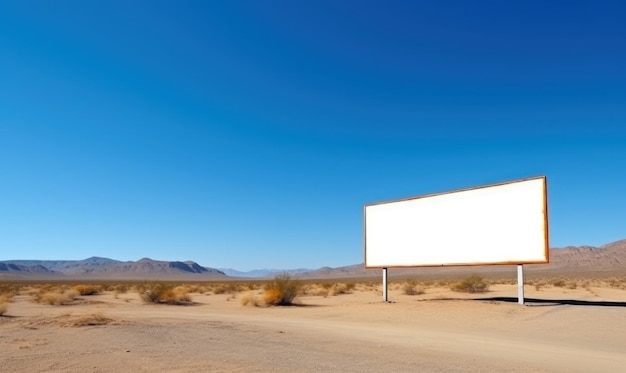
[
  {"x": 472, "y": 284},
  {"x": 88, "y": 289},
  {"x": 90, "y": 320},
  {"x": 411, "y": 288},
  {"x": 282, "y": 290},
  {"x": 249, "y": 299},
  {"x": 4, "y": 306},
  {"x": 56, "y": 297},
  {"x": 165, "y": 294}
]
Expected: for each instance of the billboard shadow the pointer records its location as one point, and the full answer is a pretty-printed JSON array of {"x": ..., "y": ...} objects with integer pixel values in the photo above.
[{"x": 555, "y": 302}]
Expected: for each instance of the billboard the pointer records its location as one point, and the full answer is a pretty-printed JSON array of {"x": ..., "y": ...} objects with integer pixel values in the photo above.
[{"x": 505, "y": 223}]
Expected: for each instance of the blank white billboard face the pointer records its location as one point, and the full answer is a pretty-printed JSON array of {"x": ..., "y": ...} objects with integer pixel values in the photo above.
[{"x": 494, "y": 224}]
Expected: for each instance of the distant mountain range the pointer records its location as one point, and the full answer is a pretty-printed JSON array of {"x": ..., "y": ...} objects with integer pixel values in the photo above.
[
  {"x": 264, "y": 272},
  {"x": 105, "y": 268},
  {"x": 571, "y": 259}
]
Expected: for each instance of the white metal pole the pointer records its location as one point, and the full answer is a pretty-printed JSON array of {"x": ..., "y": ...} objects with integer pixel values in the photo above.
[
  {"x": 385, "y": 297},
  {"x": 520, "y": 284}
]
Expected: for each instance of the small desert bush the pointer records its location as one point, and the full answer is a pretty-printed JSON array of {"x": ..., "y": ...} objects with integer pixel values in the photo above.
[
  {"x": 338, "y": 289},
  {"x": 252, "y": 286},
  {"x": 472, "y": 284},
  {"x": 314, "y": 289},
  {"x": 88, "y": 289},
  {"x": 90, "y": 320},
  {"x": 4, "y": 304},
  {"x": 558, "y": 283},
  {"x": 411, "y": 288},
  {"x": 228, "y": 288},
  {"x": 220, "y": 289},
  {"x": 322, "y": 292},
  {"x": 120, "y": 288},
  {"x": 572, "y": 285},
  {"x": 282, "y": 290},
  {"x": 249, "y": 299},
  {"x": 165, "y": 293},
  {"x": 9, "y": 290},
  {"x": 56, "y": 297},
  {"x": 618, "y": 283}
]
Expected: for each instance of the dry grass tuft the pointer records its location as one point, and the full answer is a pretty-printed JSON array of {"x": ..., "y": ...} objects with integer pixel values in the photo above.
[
  {"x": 249, "y": 299},
  {"x": 4, "y": 306},
  {"x": 55, "y": 297},
  {"x": 165, "y": 293},
  {"x": 314, "y": 289},
  {"x": 472, "y": 284},
  {"x": 90, "y": 320},
  {"x": 411, "y": 288},
  {"x": 8, "y": 291},
  {"x": 617, "y": 283},
  {"x": 282, "y": 291},
  {"x": 6, "y": 295},
  {"x": 229, "y": 288},
  {"x": 339, "y": 288},
  {"x": 88, "y": 289}
]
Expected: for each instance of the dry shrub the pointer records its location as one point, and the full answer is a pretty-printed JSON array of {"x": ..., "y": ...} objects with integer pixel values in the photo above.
[
  {"x": 618, "y": 283},
  {"x": 220, "y": 289},
  {"x": 199, "y": 288},
  {"x": 88, "y": 289},
  {"x": 253, "y": 286},
  {"x": 339, "y": 289},
  {"x": 228, "y": 288},
  {"x": 282, "y": 291},
  {"x": 411, "y": 288},
  {"x": 165, "y": 293},
  {"x": 57, "y": 297},
  {"x": 314, "y": 289},
  {"x": 572, "y": 285},
  {"x": 4, "y": 304},
  {"x": 120, "y": 288},
  {"x": 249, "y": 299},
  {"x": 472, "y": 284},
  {"x": 325, "y": 289},
  {"x": 8, "y": 291},
  {"x": 558, "y": 283},
  {"x": 322, "y": 292},
  {"x": 90, "y": 320}
]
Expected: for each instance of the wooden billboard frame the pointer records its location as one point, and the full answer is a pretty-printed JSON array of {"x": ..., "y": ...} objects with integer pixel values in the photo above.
[{"x": 415, "y": 201}]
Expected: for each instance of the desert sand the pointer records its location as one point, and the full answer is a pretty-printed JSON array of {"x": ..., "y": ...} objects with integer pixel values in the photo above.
[{"x": 439, "y": 331}]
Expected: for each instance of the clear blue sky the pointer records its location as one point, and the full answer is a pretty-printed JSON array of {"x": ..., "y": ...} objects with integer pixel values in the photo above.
[{"x": 250, "y": 134}]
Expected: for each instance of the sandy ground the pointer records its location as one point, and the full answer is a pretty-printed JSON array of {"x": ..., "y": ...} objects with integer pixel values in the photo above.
[{"x": 440, "y": 331}]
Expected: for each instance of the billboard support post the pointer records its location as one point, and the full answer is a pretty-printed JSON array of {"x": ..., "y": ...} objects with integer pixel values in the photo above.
[
  {"x": 385, "y": 294},
  {"x": 520, "y": 284}
]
